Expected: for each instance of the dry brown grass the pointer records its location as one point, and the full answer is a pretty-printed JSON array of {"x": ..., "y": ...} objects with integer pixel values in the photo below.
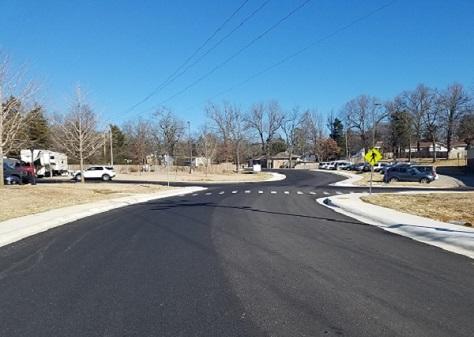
[
  {"x": 443, "y": 181},
  {"x": 439, "y": 162},
  {"x": 195, "y": 177},
  {"x": 16, "y": 201},
  {"x": 444, "y": 207}
]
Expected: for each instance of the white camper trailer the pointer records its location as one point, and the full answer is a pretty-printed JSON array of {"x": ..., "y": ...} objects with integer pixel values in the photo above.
[{"x": 47, "y": 163}]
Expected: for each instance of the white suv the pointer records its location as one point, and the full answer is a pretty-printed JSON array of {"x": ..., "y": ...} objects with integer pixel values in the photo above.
[{"x": 105, "y": 173}]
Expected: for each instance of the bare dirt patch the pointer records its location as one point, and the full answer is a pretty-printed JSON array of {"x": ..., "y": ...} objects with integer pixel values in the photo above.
[
  {"x": 446, "y": 207},
  {"x": 16, "y": 201}
]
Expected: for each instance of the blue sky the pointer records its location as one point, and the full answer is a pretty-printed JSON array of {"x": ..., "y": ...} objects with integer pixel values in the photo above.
[{"x": 120, "y": 51}]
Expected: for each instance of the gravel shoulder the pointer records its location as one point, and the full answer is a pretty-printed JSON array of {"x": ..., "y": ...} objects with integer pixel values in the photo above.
[{"x": 17, "y": 201}]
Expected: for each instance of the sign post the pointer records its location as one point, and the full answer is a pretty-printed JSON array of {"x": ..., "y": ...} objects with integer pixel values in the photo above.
[{"x": 372, "y": 157}]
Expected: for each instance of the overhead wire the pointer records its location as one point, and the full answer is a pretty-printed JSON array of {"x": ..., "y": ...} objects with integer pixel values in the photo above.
[
  {"x": 236, "y": 54},
  {"x": 188, "y": 59}
]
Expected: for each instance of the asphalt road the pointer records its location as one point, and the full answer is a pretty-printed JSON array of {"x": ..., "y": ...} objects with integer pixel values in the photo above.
[{"x": 259, "y": 259}]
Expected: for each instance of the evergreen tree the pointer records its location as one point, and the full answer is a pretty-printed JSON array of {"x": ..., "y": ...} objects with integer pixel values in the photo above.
[
  {"x": 37, "y": 129},
  {"x": 400, "y": 131},
  {"x": 337, "y": 134}
]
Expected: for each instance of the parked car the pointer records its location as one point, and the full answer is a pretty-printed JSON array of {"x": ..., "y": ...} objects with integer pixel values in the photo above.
[
  {"x": 427, "y": 169},
  {"x": 342, "y": 164},
  {"x": 105, "y": 173},
  {"x": 324, "y": 165},
  {"x": 331, "y": 165},
  {"x": 407, "y": 173},
  {"x": 379, "y": 166},
  {"x": 361, "y": 167}
]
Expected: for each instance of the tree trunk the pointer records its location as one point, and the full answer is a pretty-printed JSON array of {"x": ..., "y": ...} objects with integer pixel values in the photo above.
[
  {"x": 81, "y": 167},
  {"x": 237, "y": 156},
  {"x": 1, "y": 156},
  {"x": 434, "y": 149}
]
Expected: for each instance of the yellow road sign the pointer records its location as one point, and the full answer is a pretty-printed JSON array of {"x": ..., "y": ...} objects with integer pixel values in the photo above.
[{"x": 373, "y": 156}]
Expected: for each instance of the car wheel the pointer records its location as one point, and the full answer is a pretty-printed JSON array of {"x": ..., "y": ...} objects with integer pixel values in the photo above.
[
  {"x": 424, "y": 181},
  {"x": 393, "y": 180},
  {"x": 77, "y": 177},
  {"x": 105, "y": 177}
]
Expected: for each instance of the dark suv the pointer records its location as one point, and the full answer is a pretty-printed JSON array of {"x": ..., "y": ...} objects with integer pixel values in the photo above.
[{"x": 407, "y": 173}]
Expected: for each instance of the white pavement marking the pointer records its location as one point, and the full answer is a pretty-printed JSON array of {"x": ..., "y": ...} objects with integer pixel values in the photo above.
[
  {"x": 233, "y": 192},
  {"x": 339, "y": 192},
  {"x": 273, "y": 192},
  {"x": 326, "y": 193},
  {"x": 247, "y": 192},
  {"x": 312, "y": 193},
  {"x": 208, "y": 193},
  {"x": 299, "y": 192},
  {"x": 287, "y": 192},
  {"x": 221, "y": 192},
  {"x": 195, "y": 195},
  {"x": 260, "y": 192}
]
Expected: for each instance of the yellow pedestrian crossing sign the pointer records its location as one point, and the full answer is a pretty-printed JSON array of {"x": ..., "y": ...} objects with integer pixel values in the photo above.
[{"x": 373, "y": 156}]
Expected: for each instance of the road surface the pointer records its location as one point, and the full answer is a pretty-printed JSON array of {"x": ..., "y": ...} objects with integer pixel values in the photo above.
[{"x": 260, "y": 259}]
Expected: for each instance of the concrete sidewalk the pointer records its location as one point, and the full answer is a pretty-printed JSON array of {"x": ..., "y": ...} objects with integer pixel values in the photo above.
[
  {"x": 454, "y": 238},
  {"x": 16, "y": 229}
]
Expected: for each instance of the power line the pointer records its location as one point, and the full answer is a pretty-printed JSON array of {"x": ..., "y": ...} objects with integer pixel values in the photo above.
[
  {"x": 240, "y": 51},
  {"x": 166, "y": 81},
  {"x": 304, "y": 49},
  {"x": 225, "y": 37}
]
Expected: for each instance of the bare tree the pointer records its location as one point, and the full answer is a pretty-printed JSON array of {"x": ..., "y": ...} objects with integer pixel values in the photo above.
[
  {"x": 170, "y": 130},
  {"x": 207, "y": 145},
  {"x": 14, "y": 94},
  {"x": 229, "y": 123},
  {"x": 364, "y": 115},
  {"x": 140, "y": 142},
  {"x": 417, "y": 102},
  {"x": 312, "y": 130},
  {"x": 290, "y": 126},
  {"x": 77, "y": 131},
  {"x": 455, "y": 103},
  {"x": 431, "y": 119},
  {"x": 264, "y": 120}
]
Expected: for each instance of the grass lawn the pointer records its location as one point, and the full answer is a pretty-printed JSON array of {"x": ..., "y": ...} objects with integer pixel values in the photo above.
[
  {"x": 444, "y": 207},
  {"x": 16, "y": 201}
]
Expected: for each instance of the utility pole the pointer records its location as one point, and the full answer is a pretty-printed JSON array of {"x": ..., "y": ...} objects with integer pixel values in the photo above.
[
  {"x": 111, "y": 147},
  {"x": 190, "y": 149}
]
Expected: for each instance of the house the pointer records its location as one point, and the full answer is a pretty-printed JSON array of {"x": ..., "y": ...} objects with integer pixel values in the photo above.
[
  {"x": 458, "y": 150},
  {"x": 280, "y": 160}
]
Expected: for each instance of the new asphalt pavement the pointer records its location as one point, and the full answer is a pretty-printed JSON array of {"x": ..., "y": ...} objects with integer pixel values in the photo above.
[{"x": 260, "y": 259}]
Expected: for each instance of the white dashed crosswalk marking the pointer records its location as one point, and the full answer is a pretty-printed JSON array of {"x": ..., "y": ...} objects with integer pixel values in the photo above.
[
  {"x": 299, "y": 192},
  {"x": 273, "y": 192},
  {"x": 247, "y": 192},
  {"x": 222, "y": 192},
  {"x": 326, "y": 193},
  {"x": 287, "y": 192},
  {"x": 234, "y": 192},
  {"x": 260, "y": 192},
  {"x": 312, "y": 193},
  {"x": 339, "y": 192},
  {"x": 208, "y": 193},
  {"x": 195, "y": 195}
]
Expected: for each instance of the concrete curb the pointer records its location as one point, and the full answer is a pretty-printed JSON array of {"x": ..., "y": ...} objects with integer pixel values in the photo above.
[
  {"x": 447, "y": 236},
  {"x": 16, "y": 229}
]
